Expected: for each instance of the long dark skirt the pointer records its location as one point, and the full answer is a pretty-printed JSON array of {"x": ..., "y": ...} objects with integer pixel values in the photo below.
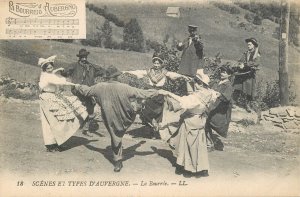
[{"x": 246, "y": 83}]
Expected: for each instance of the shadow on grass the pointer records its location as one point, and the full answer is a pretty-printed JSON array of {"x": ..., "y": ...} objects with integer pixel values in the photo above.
[
  {"x": 128, "y": 153},
  {"x": 143, "y": 132},
  {"x": 75, "y": 141},
  {"x": 167, "y": 154}
]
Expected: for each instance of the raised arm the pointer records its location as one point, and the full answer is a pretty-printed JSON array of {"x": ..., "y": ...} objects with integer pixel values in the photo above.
[
  {"x": 138, "y": 73},
  {"x": 173, "y": 75},
  {"x": 142, "y": 94}
]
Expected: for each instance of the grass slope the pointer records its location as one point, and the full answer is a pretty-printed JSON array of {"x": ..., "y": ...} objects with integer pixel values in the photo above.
[
  {"x": 214, "y": 27},
  {"x": 28, "y": 52}
]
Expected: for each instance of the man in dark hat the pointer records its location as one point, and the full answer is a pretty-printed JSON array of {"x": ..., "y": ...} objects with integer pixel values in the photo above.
[
  {"x": 192, "y": 53},
  {"x": 245, "y": 79},
  {"x": 119, "y": 105},
  {"x": 83, "y": 72}
]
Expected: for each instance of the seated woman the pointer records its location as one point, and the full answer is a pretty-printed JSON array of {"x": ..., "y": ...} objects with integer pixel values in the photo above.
[
  {"x": 220, "y": 112},
  {"x": 188, "y": 139},
  {"x": 157, "y": 77},
  {"x": 61, "y": 115}
]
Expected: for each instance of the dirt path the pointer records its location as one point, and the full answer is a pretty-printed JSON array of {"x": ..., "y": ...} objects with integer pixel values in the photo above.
[{"x": 259, "y": 161}]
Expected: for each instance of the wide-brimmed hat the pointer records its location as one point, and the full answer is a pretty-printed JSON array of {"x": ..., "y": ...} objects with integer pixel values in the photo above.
[
  {"x": 43, "y": 61},
  {"x": 253, "y": 41},
  {"x": 83, "y": 53},
  {"x": 192, "y": 27},
  {"x": 157, "y": 56},
  {"x": 202, "y": 77},
  {"x": 112, "y": 72}
]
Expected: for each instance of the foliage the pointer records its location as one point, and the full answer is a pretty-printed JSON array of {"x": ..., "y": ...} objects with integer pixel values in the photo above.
[
  {"x": 257, "y": 20},
  {"x": 152, "y": 44},
  {"x": 106, "y": 34},
  {"x": 133, "y": 38},
  {"x": 171, "y": 59},
  {"x": 133, "y": 81},
  {"x": 90, "y": 42},
  {"x": 249, "y": 17},
  {"x": 63, "y": 40},
  {"x": 226, "y": 7},
  {"x": 11, "y": 92},
  {"x": 103, "y": 12},
  {"x": 294, "y": 30},
  {"x": 267, "y": 95},
  {"x": 271, "y": 11}
]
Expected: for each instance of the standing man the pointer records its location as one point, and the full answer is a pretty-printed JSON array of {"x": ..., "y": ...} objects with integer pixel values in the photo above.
[
  {"x": 192, "y": 53},
  {"x": 119, "y": 105},
  {"x": 83, "y": 72},
  {"x": 245, "y": 79}
]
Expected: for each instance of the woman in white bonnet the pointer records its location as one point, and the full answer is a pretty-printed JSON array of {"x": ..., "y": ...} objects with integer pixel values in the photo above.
[{"x": 60, "y": 115}]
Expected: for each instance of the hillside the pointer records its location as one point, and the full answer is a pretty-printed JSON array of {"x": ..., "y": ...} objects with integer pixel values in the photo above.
[
  {"x": 23, "y": 54},
  {"x": 219, "y": 30}
]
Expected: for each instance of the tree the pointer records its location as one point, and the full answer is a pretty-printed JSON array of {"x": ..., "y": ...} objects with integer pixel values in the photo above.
[
  {"x": 104, "y": 36},
  {"x": 106, "y": 30},
  {"x": 133, "y": 38}
]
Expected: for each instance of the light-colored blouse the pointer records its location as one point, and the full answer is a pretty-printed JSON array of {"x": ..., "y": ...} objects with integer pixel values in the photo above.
[{"x": 49, "y": 82}]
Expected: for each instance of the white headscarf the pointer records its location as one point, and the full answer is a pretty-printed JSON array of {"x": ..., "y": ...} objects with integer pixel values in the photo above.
[{"x": 43, "y": 61}]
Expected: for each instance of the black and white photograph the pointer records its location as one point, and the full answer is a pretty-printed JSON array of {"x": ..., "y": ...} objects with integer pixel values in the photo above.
[{"x": 149, "y": 98}]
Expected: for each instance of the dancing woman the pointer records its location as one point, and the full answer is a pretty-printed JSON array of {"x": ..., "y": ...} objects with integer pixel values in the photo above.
[
  {"x": 188, "y": 138},
  {"x": 157, "y": 77},
  {"x": 61, "y": 115}
]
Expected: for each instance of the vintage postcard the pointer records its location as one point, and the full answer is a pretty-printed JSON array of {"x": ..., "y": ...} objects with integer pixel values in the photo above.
[{"x": 149, "y": 98}]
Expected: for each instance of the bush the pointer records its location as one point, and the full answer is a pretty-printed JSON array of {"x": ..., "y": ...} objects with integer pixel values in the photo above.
[
  {"x": 269, "y": 95},
  {"x": 63, "y": 40},
  {"x": 227, "y": 8},
  {"x": 109, "y": 16},
  {"x": 294, "y": 30},
  {"x": 272, "y": 11},
  {"x": 115, "y": 45},
  {"x": 89, "y": 42},
  {"x": 10, "y": 91},
  {"x": 249, "y": 17},
  {"x": 133, "y": 37},
  {"x": 133, "y": 81},
  {"x": 257, "y": 20},
  {"x": 150, "y": 44}
]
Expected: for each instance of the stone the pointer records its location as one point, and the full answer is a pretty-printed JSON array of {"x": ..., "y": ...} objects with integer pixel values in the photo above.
[
  {"x": 274, "y": 120},
  {"x": 290, "y": 125},
  {"x": 290, "y": 111},
  {"x": 283, "y": 114},
  {"x": 270, "y": 115},
  {"x": 281, "y": 111},
  {"x": 297, "y": 113},
  {"x": 238, "y": 116},
  {"x": 287, "y": 119},
  {"x": 279, "y": 125}
]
